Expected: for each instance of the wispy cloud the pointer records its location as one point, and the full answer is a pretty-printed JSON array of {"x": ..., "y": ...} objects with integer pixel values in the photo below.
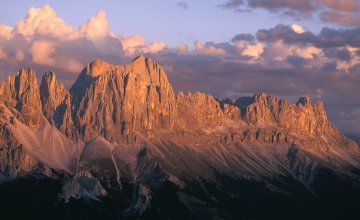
[
  {"x": 183, "y": 5},
  {"x": 331, "y": 11}
]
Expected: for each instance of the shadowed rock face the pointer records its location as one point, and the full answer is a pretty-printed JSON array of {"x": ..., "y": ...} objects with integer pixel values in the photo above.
[
  {"x": 124, "y": 123},
  {"x": 56, "y": 104}
]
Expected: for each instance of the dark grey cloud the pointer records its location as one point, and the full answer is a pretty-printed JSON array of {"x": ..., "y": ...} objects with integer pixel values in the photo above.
[
  {"x": 355, "y": 68},
  {"x": 327, "y": 37},
  {"x": 340, "y": 17},
  {"x": 296, "y": 61},
  {"x": 285, "y": 33},
  {"x": 243, "y": 37},
  {"x": 329, "y": 67},
  {"x": 331, "y": 11},
  {"x": 288, "y": 7},
  {"x": 336, "y": 38},
  {"x": 338, "y": 54}
]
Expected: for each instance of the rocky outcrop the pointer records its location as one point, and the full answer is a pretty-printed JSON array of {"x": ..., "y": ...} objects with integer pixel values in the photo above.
[
  {"x": 198, "y": 111},
  {"x": 114, "y": 100},
  {"x": 263, "y": 111},
  {"x": 134, "y": 104},
  {"x": 121, "y": 128},
  {"x": 56, "y": 105},
  {"x": 21, "y": 96}
]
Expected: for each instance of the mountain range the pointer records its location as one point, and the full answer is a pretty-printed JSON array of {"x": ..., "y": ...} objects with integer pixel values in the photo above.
[{"x": 121, "y": 144}]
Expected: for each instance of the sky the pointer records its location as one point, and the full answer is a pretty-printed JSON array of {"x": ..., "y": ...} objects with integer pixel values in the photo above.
[{"x": 229, "y": 48}]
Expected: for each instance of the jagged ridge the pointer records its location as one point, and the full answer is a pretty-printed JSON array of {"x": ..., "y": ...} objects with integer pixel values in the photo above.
[{"x": 125, "y": 122}]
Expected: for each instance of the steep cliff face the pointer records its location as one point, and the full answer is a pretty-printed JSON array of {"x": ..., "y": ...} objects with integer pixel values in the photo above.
[
  {"x": 265, "y": 111},
  {"x": 56, "y": 105},
  {"x": 122, "y": 125},
  {"x": 113, "y": 100},
  {"x": 21, "y": 96},
  {"x": 198, "y": 111},
  {"x": 28, "y": 141},
  {"x": 135, "y": 103}
]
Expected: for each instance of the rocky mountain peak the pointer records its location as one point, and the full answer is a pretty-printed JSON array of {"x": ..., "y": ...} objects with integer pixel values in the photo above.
[
  {"x": 305, "y": 101},
  {"x": 97, "y": 67},
  {"x": 114, "y": 100},
  {"x": 21, "y": 95},
  {"x": 56, "y": 104}
]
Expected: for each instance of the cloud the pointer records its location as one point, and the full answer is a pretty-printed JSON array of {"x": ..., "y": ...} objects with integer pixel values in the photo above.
[
  {"x": 297, "y": 28},
  {"x": 232, "y": 4},
  {"x": 325, "y": 39},
  {"x": 45, "y": 41},
  {"x": 296, "y": 60},
  {"x": 348, "y": 5},
  {"x": 42, "y": 52},
  {"x": 253, "y": 50},
  {"x": 96, "y": 27},
  {"x": 19, "y": 55},
  {"x": 285, "y": 7},
  {"x": 339, "y": 54},
  {"x": 286, "y": 60},
  {"x": 288, "y": 7},
  {"x": 330, "y": 67},
  {"x": 5, "y": 32},
  {"x": 341, "y": 17},
  {"x": 183, "y": 48},
  {"x": 209, "y": 48},
  {"x": 332, "y": 11},
  {"x": 43, "y": 21},
  {"x": 243, "y": 37},
  {"x": 183, "y": 5}
]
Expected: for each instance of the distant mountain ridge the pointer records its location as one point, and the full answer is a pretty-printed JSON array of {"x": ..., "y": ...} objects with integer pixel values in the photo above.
[{"x": 123, "y": 125}]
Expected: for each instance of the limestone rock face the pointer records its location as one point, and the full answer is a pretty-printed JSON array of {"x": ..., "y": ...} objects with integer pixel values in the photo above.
[
  {"x": 135, "y": 103},
  {"x": 21, "y": 95},
  {"x": 56, "y": 104},
  {"x": 301, "y": 117},
  {"x": 113, "y": 100},
  {"x": 199, "y": 110},
  {"x": 120, "y": 127}
]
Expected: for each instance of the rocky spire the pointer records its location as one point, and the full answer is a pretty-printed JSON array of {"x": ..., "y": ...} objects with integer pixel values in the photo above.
[
  {"x": 56, "y": 104},
  {"x": 21, "y": 95}
]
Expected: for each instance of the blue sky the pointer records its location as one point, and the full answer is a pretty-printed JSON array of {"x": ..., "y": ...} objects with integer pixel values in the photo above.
[{"x": 228, "y": 48}]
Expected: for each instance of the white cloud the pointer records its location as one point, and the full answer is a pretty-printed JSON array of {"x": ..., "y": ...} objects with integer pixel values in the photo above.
[
  {"x": 42, "y": 52},
  {"x": 96, "y": 27},
  {"x": 44, "y": 21},
  {"x": 45, "y": 39},
  {"x": 183, "y": 48},
  {"x": 253, "y": 50},
  {"x": 297, "y": 28},
  {"x": 19, "y": 55},
  {"x": 2, "y": 53},
  {"x": 5, "y": 32},
  {"x": 205, "y": 49}
]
